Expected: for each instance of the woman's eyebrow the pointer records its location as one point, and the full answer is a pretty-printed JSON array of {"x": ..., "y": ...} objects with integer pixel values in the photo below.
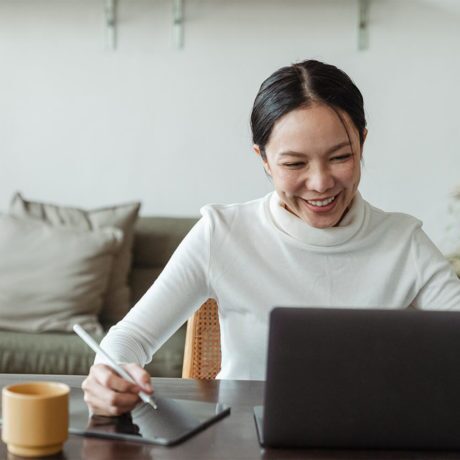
[
  {"x": 328, "y": 151},
  {"x": 291, "y": 153},
  {"x": 337, "y": 147}
]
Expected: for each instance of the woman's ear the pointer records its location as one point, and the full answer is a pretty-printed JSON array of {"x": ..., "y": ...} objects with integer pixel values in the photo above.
[
  {"x": 362, "y": 143},
  {"x": 258, "y": 152},
  {"x": 256, "y": 149}
]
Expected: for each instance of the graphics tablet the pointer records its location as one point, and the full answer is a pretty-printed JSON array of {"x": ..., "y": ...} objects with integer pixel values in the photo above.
[{"x": 173, "y": 422}]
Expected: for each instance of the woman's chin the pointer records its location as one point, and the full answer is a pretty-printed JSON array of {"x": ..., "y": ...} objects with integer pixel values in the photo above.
[{"x": 322, "y": 223}]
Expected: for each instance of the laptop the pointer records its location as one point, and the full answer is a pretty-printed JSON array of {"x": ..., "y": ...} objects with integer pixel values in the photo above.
[{"x": 359, "y": 378}]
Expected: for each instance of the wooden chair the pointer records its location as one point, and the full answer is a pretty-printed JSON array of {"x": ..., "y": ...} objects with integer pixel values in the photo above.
[{"x": 202, "y": 355}]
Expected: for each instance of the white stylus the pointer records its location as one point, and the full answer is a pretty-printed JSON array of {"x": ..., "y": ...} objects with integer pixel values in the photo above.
[{"x": 116, "y": 367}]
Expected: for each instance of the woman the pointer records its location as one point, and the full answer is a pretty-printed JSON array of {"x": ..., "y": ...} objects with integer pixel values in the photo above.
[{"x": 314, "y": 241}]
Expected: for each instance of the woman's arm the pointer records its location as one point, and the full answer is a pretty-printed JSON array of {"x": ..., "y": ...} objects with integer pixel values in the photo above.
[
  {"x": 438, "y": 285},
  {"x": 179, "y": 290}
]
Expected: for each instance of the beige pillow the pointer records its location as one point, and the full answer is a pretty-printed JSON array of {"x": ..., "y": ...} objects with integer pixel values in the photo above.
[
  {"x": 53, "y": 277},
  {"x": 117, "y": 300}
]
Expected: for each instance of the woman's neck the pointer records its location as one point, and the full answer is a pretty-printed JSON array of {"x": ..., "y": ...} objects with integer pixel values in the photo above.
[{"x": 290, "y": 224}]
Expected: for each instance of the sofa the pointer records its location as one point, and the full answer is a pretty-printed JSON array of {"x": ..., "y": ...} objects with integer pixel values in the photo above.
[{"x": 155, "y": 239}]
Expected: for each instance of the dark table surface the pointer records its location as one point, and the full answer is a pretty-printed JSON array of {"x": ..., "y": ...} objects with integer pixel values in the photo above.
[{"x": 232, "y": 438}]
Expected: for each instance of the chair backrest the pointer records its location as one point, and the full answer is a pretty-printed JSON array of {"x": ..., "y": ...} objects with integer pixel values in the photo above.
[{"x": 202, "y": 357}]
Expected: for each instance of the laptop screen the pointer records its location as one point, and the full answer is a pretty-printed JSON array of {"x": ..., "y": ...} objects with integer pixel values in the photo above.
[{"x": 362, "y": 378}]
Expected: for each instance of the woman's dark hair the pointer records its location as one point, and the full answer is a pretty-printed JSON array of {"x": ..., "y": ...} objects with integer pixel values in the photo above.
[{"x": 301, "y": 85}]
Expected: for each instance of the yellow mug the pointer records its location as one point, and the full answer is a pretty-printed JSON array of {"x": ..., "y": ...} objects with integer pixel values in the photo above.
[{"x": 35, "y": 418}]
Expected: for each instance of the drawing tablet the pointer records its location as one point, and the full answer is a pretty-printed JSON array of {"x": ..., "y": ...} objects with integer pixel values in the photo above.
[{"x": 173, "y": 422}]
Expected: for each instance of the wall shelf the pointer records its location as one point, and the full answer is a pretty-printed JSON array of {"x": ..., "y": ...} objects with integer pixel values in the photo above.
[
  {"x": 178, "y": 23},
  {"x": 111, "y": 23},
  {"x": 363, "y": 24}
]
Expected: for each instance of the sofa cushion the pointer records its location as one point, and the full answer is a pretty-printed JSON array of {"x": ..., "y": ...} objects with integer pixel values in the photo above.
[
  {"x": 65, "y": 353},
  {"x": 52, "y": 277},
  {"x": 45, "y": 353},
  {"x": 117, "y": 298},
  {"x": 157, "y": 238},
  {"x": 140, "y": 281}
]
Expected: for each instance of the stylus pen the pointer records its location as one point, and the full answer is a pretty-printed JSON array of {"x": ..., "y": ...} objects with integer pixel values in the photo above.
[{"x": 116, "y": 367}]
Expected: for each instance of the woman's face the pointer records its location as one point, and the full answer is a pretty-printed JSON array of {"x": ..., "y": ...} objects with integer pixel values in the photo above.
[{"x": 315, "y": 163}]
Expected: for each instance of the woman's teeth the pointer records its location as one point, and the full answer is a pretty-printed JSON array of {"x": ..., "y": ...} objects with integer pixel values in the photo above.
[{"x": 321, "y": 203}]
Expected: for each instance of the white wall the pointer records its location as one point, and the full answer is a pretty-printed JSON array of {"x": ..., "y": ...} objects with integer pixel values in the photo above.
[{"x": 85, "y": 126}]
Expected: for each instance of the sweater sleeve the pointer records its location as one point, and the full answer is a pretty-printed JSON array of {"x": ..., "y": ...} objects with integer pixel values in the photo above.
[
  {"x": 438, "y": 285},
  {"x": 180, "y": 289}
]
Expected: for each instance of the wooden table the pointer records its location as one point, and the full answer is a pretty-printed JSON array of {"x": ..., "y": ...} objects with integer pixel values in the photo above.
[{"x": 232, "y": 438}]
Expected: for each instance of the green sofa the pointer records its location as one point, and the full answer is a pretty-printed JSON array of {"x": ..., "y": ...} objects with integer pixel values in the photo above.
[{"x": 155, "y": 240}]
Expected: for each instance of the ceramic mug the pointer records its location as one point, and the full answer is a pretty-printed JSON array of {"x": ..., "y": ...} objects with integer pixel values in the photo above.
[{"x": 35, "y": 418}]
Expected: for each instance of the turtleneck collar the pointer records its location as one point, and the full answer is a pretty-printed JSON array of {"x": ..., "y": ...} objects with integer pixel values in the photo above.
[{"x": 305, "y": 233}]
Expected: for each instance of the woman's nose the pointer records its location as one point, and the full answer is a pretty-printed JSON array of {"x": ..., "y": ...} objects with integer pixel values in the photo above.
[{"x": 320, "y": 179}]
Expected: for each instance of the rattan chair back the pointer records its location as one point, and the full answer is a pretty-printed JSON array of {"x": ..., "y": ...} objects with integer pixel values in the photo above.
[{"x": 202, "y": 355}]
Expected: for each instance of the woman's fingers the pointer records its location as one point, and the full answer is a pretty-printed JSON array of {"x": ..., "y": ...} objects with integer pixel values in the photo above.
[
  {"x": 106, "y": 393},
  {"x": 108, "y": 378},
  {"x": 140, "y": 375},
  {"x": 103, "y": 401}
]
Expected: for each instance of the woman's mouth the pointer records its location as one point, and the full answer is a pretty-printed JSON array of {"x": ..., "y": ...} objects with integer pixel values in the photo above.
[
  {"x": 320, "y": 203},
  {"x": 323, "y": 205}
]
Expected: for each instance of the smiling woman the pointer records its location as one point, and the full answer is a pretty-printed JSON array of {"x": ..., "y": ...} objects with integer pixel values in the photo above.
[
  {"x": 313, "y": 157},
  {"x": 309, "y": 127},
  {"x": 313, "y": 241}
]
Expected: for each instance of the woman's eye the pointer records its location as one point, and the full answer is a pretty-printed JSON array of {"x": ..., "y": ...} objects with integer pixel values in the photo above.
[
  {"x": 344, "y": 157},
  {"x": 294, "y": 165}
]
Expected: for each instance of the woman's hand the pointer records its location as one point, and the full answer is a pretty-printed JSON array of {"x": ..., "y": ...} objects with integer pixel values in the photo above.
[{"x": 106, "y": 393}]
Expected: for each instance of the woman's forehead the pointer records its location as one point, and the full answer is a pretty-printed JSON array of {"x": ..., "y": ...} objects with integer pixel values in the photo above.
[{"x": 316, "y": 128}]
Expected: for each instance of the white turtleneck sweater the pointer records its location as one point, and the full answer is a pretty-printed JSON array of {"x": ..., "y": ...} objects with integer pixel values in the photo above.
[{"x": 253, "y": 256}]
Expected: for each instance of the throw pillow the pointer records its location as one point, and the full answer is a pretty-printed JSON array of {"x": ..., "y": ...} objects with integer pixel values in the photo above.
[
  {"x": 117, "y": 300},
  {"x": 53, "y": 277}
]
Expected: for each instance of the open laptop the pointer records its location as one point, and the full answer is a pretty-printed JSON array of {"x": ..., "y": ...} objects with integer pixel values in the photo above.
[{"x": 354, "y": 378}]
